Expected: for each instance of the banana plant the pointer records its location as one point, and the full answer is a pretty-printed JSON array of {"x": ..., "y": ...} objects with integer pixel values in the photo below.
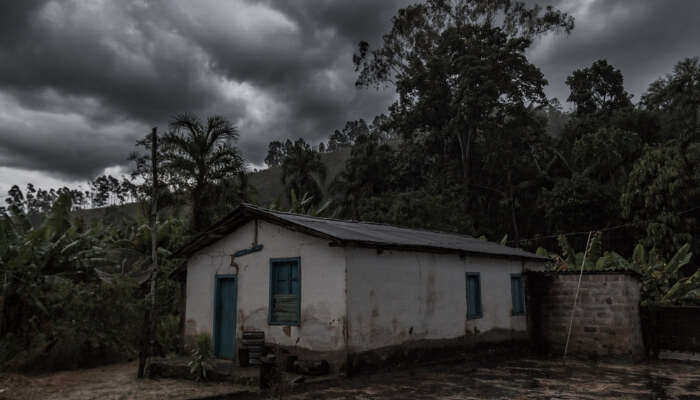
[
  {"x": 130, "y": 251},
  {"x": 662, "y": 280},
  {"x": 38, "y": 262},
  {"x": 570, "y": 260},
  {"x": 305, "y": 205}
]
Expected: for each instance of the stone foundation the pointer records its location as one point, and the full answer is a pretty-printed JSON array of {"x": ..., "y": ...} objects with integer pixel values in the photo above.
[
  {"x": 410, "y": 353},
  {"x": 437, "y": 350}
]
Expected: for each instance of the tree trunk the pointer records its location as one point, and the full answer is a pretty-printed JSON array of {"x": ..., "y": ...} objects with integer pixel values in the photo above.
[
  {"x": 514, "y": 220},
  {"x": 143, "y": 345},
  {"x": 181, "y": 308},
  {"x": 465, "y": 142},
  {"x": 198, "y": 220},
  {"x": 154, "y": 242}
]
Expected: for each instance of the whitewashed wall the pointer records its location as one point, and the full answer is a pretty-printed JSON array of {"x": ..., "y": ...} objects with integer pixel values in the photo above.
[
  {"x": 392, "y": 297},
  {"x": 398, "y": 296},
  {"x": 323, "y": 298}
]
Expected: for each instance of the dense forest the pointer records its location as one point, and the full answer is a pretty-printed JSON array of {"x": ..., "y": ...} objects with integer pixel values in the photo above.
[{"x": 471, "y": 145}]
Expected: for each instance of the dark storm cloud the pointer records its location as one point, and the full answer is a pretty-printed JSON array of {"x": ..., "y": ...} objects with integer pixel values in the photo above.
[
  {"x": 81, "y": 81},
  {"x": 70, "y": 154},
  {"x": 642, "y": 38},
  {"x": 275, "y": 70},
  {"x": 130, "y": 64},
  {"x": 302, "y": 58},
  {"x": 88, "y": 81}
]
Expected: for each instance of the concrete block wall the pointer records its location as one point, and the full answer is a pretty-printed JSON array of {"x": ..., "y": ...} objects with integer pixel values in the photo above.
[{"x": 606, "y": 318}]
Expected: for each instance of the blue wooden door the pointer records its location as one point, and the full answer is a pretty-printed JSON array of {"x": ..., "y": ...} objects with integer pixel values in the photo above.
[{"x": 225, "y": 318}]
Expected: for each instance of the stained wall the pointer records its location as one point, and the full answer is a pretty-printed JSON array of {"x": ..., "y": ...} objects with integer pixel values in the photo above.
[
  {"x": 322, "y": 287},
  {"x": 396, "y": 297}
]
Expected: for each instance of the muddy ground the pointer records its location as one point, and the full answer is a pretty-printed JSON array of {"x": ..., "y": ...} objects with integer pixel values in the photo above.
[
  {"x": 495, "y": 379},
  {"x": 112, "y": 382},
  {"x": 521, "y": 379}
]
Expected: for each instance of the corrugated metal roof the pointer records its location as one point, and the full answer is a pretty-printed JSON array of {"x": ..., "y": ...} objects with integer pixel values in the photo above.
[
  {"x": 612, "y": 271},
  {"x": 355, "y": 233}
]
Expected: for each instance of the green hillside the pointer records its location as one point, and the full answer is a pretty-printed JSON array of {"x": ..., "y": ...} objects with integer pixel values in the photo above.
[{"x": 268, "y": 182}]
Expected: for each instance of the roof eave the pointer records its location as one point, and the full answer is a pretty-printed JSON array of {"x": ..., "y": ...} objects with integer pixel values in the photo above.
[
  {"x": 235, "y": 219},
  {"x": 433, "y": 249},
  {"x": 247, "y": 212}
]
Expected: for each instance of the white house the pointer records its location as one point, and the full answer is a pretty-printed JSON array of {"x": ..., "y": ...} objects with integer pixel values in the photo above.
[{"x": 330, "y": 288}]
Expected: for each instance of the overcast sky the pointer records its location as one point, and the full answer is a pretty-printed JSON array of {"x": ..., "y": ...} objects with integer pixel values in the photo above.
[{"x": 81, "y": 80}]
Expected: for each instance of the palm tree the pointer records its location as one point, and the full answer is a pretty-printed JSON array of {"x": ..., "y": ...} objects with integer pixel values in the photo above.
[
  {"x": 298, "y": 167},
  {"x": 198, "y": 156}
]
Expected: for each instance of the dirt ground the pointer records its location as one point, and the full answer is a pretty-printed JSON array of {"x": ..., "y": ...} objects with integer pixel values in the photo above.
[
  {"x": 521, "y": 379},
  {"x": 504, "y": 379},
  {"x": 112, "y": 382}
]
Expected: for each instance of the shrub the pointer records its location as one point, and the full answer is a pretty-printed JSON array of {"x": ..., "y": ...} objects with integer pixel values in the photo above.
[
  {"x": 202, "y": 355},
  {"x": 168, "y": 334}
]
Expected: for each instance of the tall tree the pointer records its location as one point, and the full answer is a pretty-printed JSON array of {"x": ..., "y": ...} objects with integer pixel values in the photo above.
[
  {"x": 598, "y": 88},
  {"x": 595, "y": 152},
  {"x": 199, "y": 155},
  {"x": 662, "y": 193},
  {"x": 676, "y": 100},
  {"x": 149, "y": 340},
  {"x": 298, "y": 169},
  {"x": 459, "y": 66},
  {"x": 664, "y": 199}
]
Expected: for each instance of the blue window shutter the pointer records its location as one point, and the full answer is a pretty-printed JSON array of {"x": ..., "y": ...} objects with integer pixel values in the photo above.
[
  {"x": 281, "y": 280},
  {"x": 473, "y": 295},
  {"x": 294, "y": 280},
  {"x": 477, "y": 280},
  {"x": 285, "y": 291}
]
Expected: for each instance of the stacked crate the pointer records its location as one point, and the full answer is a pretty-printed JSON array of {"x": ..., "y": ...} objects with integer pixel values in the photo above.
[{"x": 254, "y": 341}]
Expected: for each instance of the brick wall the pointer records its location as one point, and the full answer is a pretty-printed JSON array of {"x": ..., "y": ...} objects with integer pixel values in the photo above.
[{"x": 606, "y": 319}]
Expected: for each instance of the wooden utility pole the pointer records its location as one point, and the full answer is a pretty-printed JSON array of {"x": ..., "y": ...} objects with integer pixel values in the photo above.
[
  {"x": 154, "y": 237},
  {"x": 149, "y": 329}
]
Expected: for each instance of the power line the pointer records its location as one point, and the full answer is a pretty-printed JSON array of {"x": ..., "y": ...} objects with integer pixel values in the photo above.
[{"x": 610, "y": 228}]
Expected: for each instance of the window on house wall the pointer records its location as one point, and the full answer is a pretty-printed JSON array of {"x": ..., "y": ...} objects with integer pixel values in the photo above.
[
  {"x": 473, "y": 295},
  {"x": 517, "y": 293},
  {"x": 285, "y": 291}
]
